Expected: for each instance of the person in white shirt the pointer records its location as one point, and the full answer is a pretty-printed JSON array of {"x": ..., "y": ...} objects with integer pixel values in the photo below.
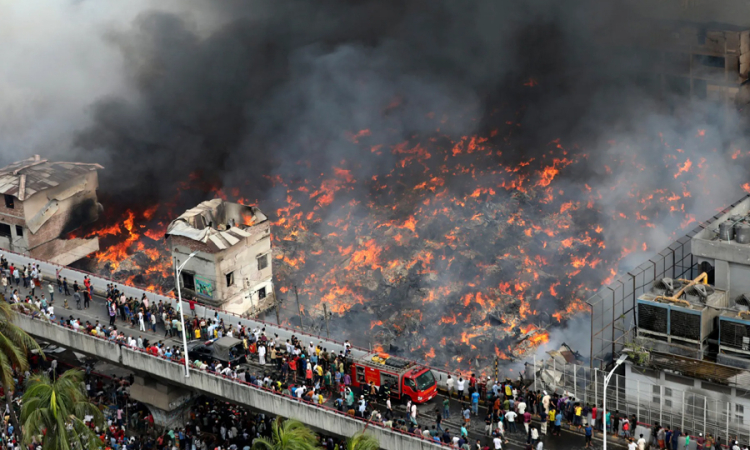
[
  {"x": 460, "y": 387},
  {"x": 510, "y": 416},
  {"x": 262, "y": 355},
  {"x": 299, "y": 391},
  {"x": 521, "y": 407},
  {"x": 539, "y": 445},
  {"x": 498, "y": 443},
  {"x": 641, "y": 443},
  {"x": 450, "y": 382},
  {"x": 632, "y": 445},
  {"x": 141, "y": 323}
]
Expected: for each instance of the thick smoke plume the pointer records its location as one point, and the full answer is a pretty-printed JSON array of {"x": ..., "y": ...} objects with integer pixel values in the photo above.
[{"x": 236, "y": 94}]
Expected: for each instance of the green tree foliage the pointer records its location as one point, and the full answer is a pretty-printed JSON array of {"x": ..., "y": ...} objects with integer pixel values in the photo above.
[
  {"x": 288, "y": 435},
  {"x": 14, "y": 346},
  {"x": 54, "y": 411},
  {"x": 362, "y": 441}
]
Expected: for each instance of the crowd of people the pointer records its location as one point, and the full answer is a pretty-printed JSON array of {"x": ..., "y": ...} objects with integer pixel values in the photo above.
[{"x": 312, "y": 373}]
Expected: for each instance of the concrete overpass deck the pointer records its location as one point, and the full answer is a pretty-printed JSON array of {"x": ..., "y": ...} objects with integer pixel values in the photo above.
[{"x": 316, "y": 416}]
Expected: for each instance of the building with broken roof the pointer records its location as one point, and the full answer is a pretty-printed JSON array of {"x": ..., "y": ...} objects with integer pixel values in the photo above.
[
  {"x": 44, "y": 200},
  {"x": 232, "y": 269}
]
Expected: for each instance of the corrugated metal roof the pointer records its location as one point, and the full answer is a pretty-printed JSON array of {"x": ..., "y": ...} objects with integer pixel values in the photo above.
[
  {"x": 25, "y": 178},
  {"x": 194, "y": 223}
]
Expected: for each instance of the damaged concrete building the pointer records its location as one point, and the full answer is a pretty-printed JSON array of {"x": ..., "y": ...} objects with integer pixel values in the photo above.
[
  {"x": 44, "y": 200},
  {"x": 232, "y": 269}
]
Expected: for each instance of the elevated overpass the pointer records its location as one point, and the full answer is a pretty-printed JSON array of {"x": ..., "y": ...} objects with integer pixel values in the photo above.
[
  {"x": 171, "y": 373},
  {"x": 162, "y": 384}
]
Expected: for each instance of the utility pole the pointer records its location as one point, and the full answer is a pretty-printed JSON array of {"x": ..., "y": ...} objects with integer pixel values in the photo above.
[
  {"x": 299, "y": 308},
  {"x": 276, "y": 307},
  {"x": 325, "y": 316}
]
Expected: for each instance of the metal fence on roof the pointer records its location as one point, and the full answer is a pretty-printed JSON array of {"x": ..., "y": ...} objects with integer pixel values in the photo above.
[
  {"x": 719, "y": 411},
  {"x": 613, "y": 307}
]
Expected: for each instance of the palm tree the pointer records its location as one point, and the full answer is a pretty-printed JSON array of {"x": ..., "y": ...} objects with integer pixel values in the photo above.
[
  {"x": 288, "y": 434},
  {"x": 56, "y": 409},
  {"x": 362, "y": 441},
  {"x": 14, "y": 346}
]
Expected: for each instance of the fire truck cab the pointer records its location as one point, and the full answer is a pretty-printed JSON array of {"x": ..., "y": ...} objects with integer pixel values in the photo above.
[{"x": 405, "y": 378}]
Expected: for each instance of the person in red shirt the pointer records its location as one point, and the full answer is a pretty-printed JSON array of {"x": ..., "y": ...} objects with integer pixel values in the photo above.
[
  {"x": 473, "y": 381},
  {"x": 593, "y": 417},
  {"x": 293, "y": 367}
]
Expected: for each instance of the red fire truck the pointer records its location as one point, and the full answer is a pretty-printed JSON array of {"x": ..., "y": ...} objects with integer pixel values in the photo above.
[{"x": 405, "y": 378}]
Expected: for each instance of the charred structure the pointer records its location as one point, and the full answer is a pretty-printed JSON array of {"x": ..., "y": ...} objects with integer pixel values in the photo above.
[
  {"x": 44, "y": 200},
  {"x": 232, "y": 269},
  {"x": 456, "y": 201}
]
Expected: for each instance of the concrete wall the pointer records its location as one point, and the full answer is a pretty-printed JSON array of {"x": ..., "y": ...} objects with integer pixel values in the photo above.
[
  {"x": 662, "y": 391},
  {"x": 239, "y": 259},
  {"x": 201, "y": 265},
  {"x": 217, "y": 386},
  {"x": 79, "y": 207},
  {"x": 80, "y": 342}
]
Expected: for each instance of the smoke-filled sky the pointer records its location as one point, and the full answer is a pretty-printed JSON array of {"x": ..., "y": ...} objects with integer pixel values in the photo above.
[{"x": 243, "y": 90}]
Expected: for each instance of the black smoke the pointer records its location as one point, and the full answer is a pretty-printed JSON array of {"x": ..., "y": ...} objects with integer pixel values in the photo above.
[
  {"x": 282, "y": 82},
  {"x": 277, "y": 87}
]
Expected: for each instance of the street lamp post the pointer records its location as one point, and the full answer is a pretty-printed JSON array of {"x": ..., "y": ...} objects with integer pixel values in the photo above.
[
  {"x": 619, "y": 361},
  {"x": 178, "y": 270}
]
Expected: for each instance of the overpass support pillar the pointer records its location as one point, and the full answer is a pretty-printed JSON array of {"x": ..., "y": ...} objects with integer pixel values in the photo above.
[{"x": 168, "y": 404}]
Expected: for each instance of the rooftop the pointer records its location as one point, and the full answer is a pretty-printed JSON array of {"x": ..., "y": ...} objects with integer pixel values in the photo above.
[
  {"x": 25, "y": 178},
  {"x": 217, "y": 223}
]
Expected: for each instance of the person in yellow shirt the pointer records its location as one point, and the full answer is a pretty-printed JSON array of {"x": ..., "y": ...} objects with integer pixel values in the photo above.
[
  {"x": 551, "y": 419},
  {"x": 578, "y": 410}
]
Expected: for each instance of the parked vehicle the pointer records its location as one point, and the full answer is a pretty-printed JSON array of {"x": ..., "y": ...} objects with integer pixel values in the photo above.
[{"x": 225, "y": 349}]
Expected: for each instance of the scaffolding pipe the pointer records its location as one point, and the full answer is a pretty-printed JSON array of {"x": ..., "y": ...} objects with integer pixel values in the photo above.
[
  {"x": 596, "y": 389},
  {"x": 682, "y": 416},
  {"x": 661, "y": 402},
  {"x": 705, "y": 407},
  {"x": 617, "y": 392},
  {"x": 637, "y": 399},
  {"x": 727, "y": 441}
]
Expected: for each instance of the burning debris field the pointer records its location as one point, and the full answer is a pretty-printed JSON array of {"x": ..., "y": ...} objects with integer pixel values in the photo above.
[
  {"x": 449, "y": 180},
  {"x": 453, "y": 257}
]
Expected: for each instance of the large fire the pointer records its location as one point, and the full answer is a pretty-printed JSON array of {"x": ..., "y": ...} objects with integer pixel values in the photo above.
[{"x": 452, "y": 255}]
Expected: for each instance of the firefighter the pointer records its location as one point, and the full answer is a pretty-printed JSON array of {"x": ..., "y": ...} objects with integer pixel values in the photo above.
[{"x": 385, "y": 392}]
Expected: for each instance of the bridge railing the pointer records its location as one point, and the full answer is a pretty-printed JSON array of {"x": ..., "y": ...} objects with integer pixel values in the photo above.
[
  {"x": 99, "y": 284},
  {"x": 119, "y": 346}
]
